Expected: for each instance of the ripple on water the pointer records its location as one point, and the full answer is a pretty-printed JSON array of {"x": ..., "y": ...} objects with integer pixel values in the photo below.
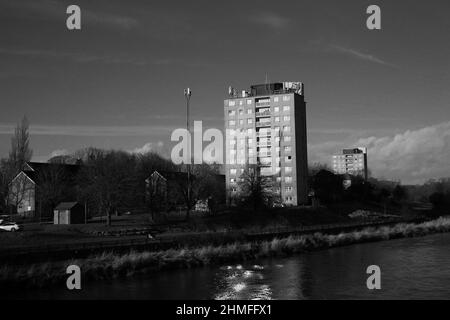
[
  {"x": 232, "y": 276},
  {"x": 238, "y": 287},
  {"x": 263, "y": 292},
  {"x": 248, "y": 274},
  {"x": 226, "y": 268}
]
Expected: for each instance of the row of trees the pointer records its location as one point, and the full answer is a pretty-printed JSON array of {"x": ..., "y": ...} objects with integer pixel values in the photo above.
[
  {"x": 436, "y": 191},
  {"x": 256, "y": 191},
  {"x": 115, "y": 181},
  {"x": 107, "y": 181},
  {"x": 330, "y": 188}
]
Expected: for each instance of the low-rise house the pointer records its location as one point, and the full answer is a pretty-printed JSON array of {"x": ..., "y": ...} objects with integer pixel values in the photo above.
[
  {"x": 167, "y": 190},
  {"x": 40, "y": 185}
]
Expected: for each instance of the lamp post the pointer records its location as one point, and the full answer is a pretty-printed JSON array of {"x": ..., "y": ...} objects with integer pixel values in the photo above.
[{"x": 188, "y": 94}]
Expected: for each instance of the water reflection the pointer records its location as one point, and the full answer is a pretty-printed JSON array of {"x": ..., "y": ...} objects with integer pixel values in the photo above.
[
  {"x": 290, "y": 280},
  {"x": 242, "y": 283},
  {"x": 411, "y": 269}
]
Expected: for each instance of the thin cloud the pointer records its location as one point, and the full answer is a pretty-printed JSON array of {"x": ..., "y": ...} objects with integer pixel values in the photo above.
[
  {"x": 271, "y": 20},
  {"x": 76, "y": 57},
  {"x": 59, "y": 152},
  {"x": 360, "y": 55},
  {"x": 111, "y": 20},
  {"x": 91, "y": 131},
  {"x": 103, "y": 59},
  {"x": 55, "y": 153},
  {"x": 51, "y": 9},
  {"x": 343, "y": 131},
  {"x": 149, "y": 147}
]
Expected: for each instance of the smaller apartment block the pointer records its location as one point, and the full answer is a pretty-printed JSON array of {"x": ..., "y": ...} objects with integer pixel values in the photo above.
[{"x": 352, "y": 162}]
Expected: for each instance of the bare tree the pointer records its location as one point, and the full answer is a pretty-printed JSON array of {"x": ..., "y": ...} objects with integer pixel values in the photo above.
[
  {"x": 211, "y": 187},
  {"x": 203, "y": 184},
  {"x": 20, "y": 152},
  {"x": 255, "y": 189},
  {"x": 186, "y": 183},
  {"x": 108, "y": 179},
  {"x": 54, "y": 186},
  {"x": 5, "y": 180},
  {"x": 19, "y": 155}
]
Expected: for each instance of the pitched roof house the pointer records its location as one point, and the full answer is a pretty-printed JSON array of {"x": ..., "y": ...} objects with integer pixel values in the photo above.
[
  {"x": 24, "y": 186},
  {"x": 167, "y": 189}
]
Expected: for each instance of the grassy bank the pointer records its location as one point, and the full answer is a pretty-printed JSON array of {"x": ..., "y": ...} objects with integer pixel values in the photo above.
[
  {"x": 109, "y": 265},
  {"x": 232, "y": 220}
]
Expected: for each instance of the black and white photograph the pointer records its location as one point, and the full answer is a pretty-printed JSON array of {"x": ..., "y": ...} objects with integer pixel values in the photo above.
[{"x": 206, "y": 152}]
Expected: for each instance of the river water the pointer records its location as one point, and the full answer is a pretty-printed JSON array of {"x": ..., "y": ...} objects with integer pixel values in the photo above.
[{"x": 413, "y": 268}]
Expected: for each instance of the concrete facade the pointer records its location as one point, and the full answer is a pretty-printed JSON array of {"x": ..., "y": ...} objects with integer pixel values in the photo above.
[{"x": 267, "y": 127}]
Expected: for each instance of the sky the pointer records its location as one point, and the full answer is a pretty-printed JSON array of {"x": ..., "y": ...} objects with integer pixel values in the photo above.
[{"x": 118, "y": 82}]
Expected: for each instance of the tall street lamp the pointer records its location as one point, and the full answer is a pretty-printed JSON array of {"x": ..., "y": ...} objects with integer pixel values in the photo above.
[{"x": 188, "y": 94}]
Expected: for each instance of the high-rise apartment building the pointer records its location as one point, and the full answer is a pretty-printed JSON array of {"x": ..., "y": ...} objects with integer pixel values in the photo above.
[
  {"x": 351, "y": 161},
  {"x": 267, "y": 127}
]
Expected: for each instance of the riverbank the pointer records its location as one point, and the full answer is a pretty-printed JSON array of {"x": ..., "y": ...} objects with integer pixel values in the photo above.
[
  {"x": 40, "y": 243},
  {"x": 111, "y": 265},
  {"x": 78, "y": 249}
]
